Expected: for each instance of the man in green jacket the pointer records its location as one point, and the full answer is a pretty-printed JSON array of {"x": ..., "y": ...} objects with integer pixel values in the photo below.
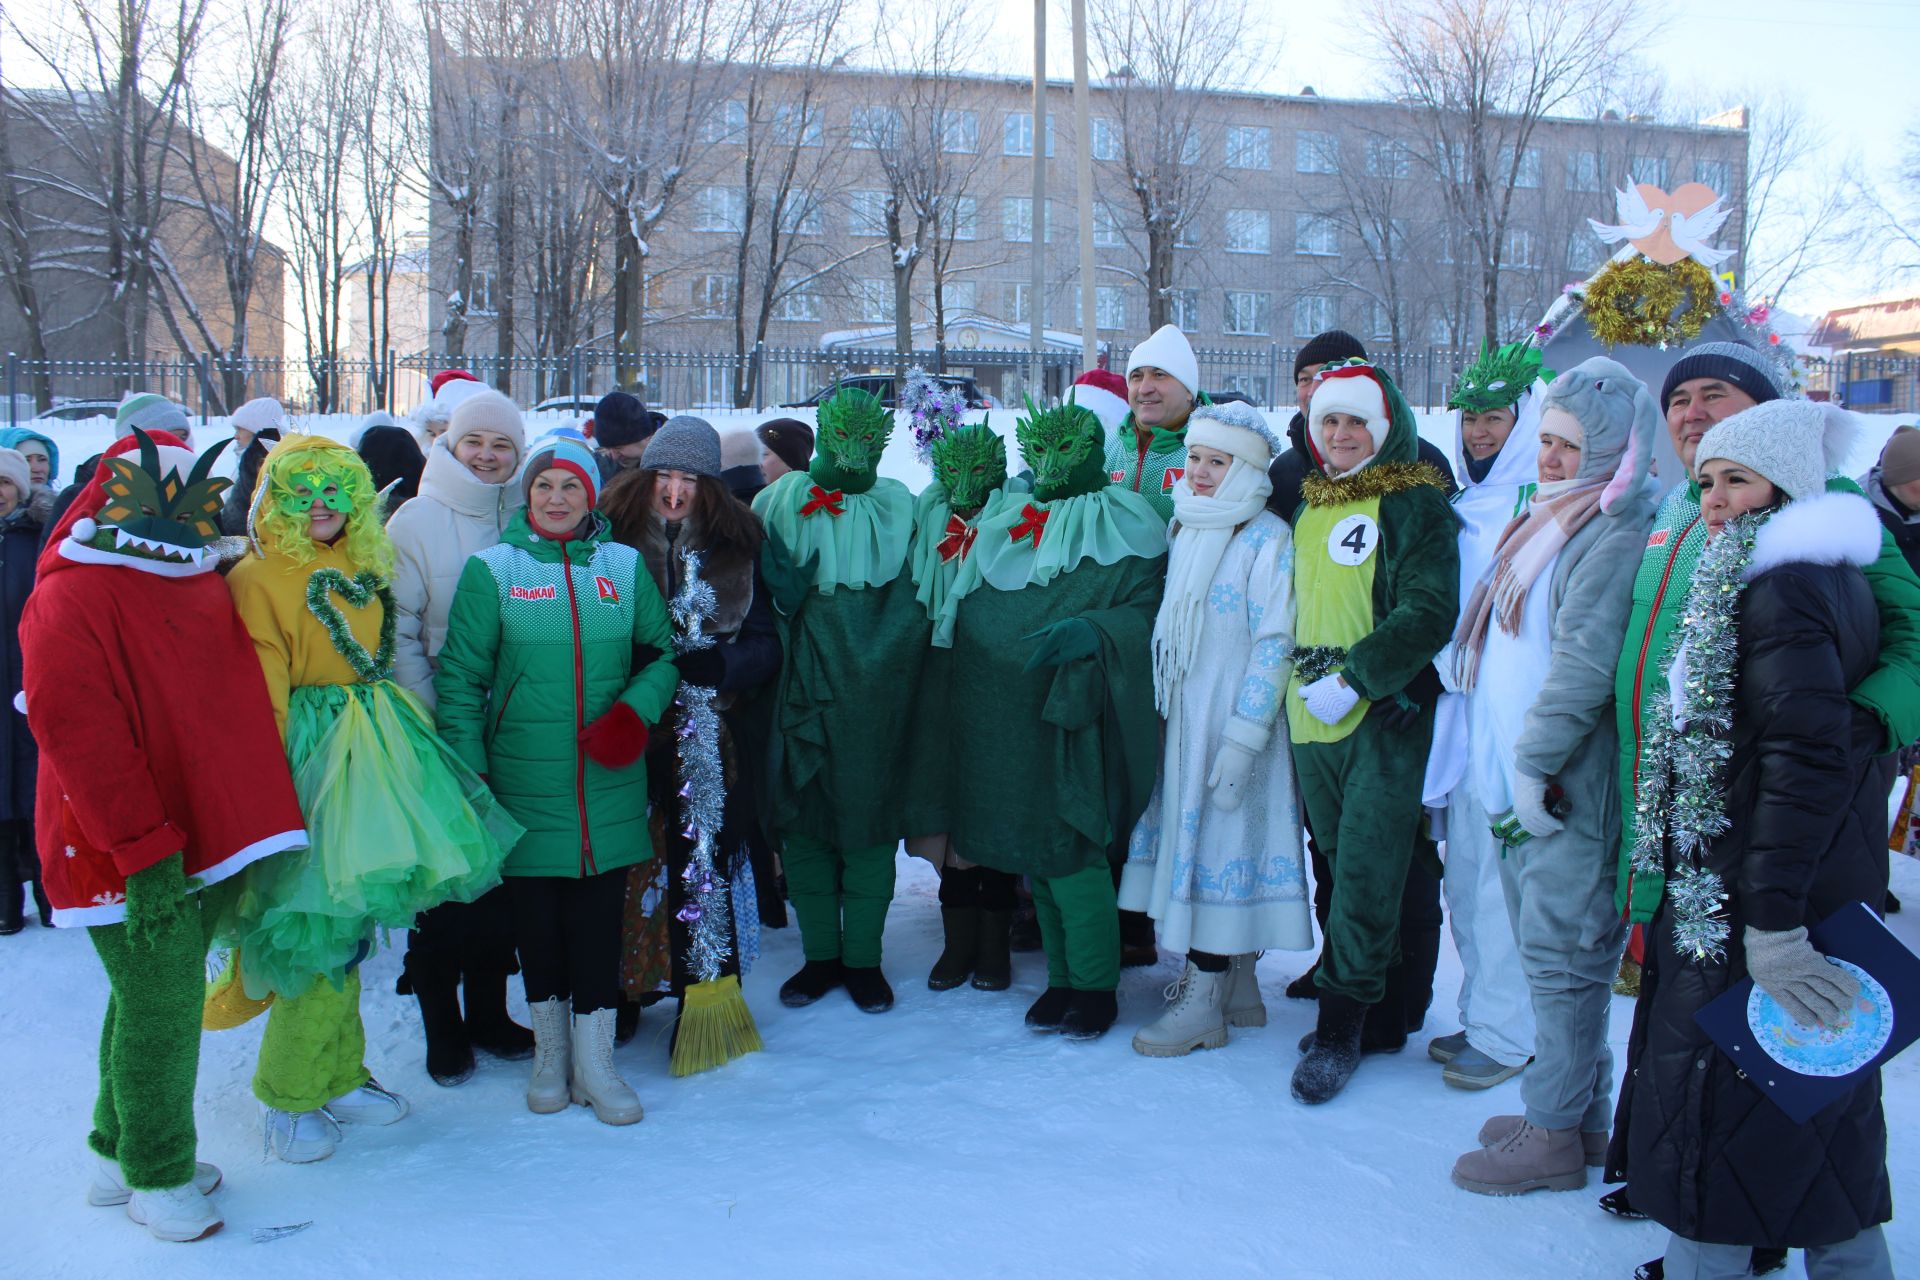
[
  {"x": 1149, "y": 450},
  {"x": 1710, "y": 382}
]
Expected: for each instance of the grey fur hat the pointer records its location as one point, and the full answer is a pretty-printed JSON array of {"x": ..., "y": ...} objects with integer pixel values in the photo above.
[
  {"x": 1796, "y": 444},
  {"x": 684, "y": 443},
  {"x": 1618, "y": 418}
]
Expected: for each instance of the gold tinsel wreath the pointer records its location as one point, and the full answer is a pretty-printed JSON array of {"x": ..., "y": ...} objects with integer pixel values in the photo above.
[{"x": 1643, "y": 304}]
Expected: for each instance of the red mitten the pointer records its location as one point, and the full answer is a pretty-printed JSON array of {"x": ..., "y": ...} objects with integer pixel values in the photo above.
[{"x": 617, "y": 739}]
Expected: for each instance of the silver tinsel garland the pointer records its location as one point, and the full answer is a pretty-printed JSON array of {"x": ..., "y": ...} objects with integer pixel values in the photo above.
[
  {"x": 703, "y": 783},
  {"x": 1681, "y": 798}
]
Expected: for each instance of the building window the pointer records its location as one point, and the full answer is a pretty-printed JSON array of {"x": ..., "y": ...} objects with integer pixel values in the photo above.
[
  {"x": 1384, "y": 240},
  {"x": 725, "y": 123},
  {"x": 1648, "y": 169},
  {"x": 1251, "y": 385},
  {"x": 795, "y": 125},
  {"x": 1022, "y": 295},
  {"x": 1109, "y": 306},
  {"x": 877, "y": 128},
  {"x": 801, "y": 304},
  {"x": 874, "y": 298},
  {"x": 1388, "y": 158},
  {"x": 963, "y": 223},
  {"x": 1440, "y": 330},
  {"x": 1016, "y": 220},
  {"x": 1249, "y": 231},
  {"x": 1104, "y": 135},
  {"x": 713, "y": 296},
  {"x": 720, "y": 209},
  {"x": 1379, "y": 320},
  {"x": 1316, "y": 153},
  {"x": 1183, "y": 309},
  {"x": 1249, "y": 147},
  {"x": 1106, "y": 226},
  {"x": 1583, "y": 171},
  {"x": 1316, "y": 235},
  {"x": 1249, "y": 312},
  {"x": 1715, "y": 174},
  {"x": 959, "y": 131},
  {"x": 1017, "y": 134},
  {"x": 1584, "y": 252},
  {"x": 1528, "y": 172},
  {"x": 1186, "y": 234},
  {"x": 481, "y": 303},
  {"x": 800, "y": 215},
  {"x": 866, "y": 213},
  {"x": 1190, "y": 147},
  {"x": 959, "y": 295},
  {"x": 1313, "y": 313},
  {"x": 1519, "y": 252}
]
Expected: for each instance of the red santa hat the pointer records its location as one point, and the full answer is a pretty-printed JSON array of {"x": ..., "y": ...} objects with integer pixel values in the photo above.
[
  {"x": 445, "y": 376},
  {"x": 1104, "y": 392}
]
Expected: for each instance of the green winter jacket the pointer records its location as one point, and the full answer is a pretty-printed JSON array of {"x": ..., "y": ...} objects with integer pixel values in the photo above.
[
  {"x": 1891, "y": 691},
  {"x": 1150, "y": 469},
  {"x": 535, "y": 653}
]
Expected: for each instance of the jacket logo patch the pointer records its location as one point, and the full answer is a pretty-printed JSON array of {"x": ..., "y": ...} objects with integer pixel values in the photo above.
[
  {"x": 608, "y": 592},
  {"x": 1119, "y": 477},
  {"x": 532, "y": 593},
  {"x": 1166, "y": 481},
  {"x": 1658, "y": 538}
]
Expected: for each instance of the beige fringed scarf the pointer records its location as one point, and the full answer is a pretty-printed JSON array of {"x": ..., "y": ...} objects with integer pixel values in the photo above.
[{"x": 1527, "y": 546}]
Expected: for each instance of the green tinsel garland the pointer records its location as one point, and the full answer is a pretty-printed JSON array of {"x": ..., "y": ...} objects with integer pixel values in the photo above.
[
  {"x": 1376, "y": 481},
  {"x": 1312, "y": 662},
  {"x": 359, "y": 591},
  {"x": 1680, "y": 799}
]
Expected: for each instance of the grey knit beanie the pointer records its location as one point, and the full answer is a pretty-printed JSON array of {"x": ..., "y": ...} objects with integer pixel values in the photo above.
[
  {"x": 1796, "y": 444},
  {"x": 684, "y": 443}
]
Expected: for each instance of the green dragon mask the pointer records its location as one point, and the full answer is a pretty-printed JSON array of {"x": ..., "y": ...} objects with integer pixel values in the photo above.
[
  {"x": 1063, "y": 446},
  {"x": 852, "y": 429},
  {"x": 1498, "y": 378},
  {"x": 970, "y": 463},
  {"x": 152, "y": 514}
]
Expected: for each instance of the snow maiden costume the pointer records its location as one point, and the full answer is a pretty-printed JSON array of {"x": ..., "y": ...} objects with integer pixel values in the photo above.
[
  {"x": 397, "y": 823},
  {"x": 1049, "y": 620},
  {"x": 1376, "y": 590},
  {"x": 1216, "y": 857},
  {"x": 1495, "y": 1041},
  {"x": 836, "y": 559},
  {"x": 1534, "y": 655},
  {"x": 1764, "y": 809},
  {"x": 142, "y": 689}
]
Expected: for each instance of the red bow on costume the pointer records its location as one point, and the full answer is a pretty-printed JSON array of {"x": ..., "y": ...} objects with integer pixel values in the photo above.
[
  {"x": 825, "y": 500},
  {"x": 1032, "y": 522},
  {"x": 959, "y": 539}
]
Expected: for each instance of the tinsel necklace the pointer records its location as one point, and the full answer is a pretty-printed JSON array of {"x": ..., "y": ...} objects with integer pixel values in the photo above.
[
  {"x": 1681, "y": 796},
  {"x": 703, "y": 782},
  {"x": 358, "y": 591}
]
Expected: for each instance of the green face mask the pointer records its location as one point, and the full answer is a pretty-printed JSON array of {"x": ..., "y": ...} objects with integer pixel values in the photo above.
[
  {"x": 309, "y": 487},
  {"x": 852, "y": 428},
  {"x": 970, "y": 464},
  {"x": 1056, "y": 441}
]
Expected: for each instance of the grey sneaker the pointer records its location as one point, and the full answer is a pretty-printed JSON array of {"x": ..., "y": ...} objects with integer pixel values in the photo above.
[
  {"x": 1531, "y": 1159},
  {"x": 1593, "y": 1142},
  {"x": 1444, "y": 1049},
  {"x": 1472, "y": 1069}
]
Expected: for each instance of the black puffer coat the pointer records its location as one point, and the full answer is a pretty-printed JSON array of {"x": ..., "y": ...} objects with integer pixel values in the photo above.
[
  {"x": 1703, "y": 1152},
  {"x": 19, "y": 549}
]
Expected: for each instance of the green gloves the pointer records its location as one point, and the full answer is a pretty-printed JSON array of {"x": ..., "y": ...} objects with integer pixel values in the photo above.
[
  {"x": 1062, "y": 642},
  {"x": 156, "y": 900}
]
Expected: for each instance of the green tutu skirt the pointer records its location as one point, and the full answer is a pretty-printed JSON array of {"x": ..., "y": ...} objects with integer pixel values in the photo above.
[{"x": 395, "y": 822}]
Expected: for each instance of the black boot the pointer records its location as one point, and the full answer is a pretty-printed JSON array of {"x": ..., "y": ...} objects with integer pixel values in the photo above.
[
  {"x": 1335, "y": 1054},
  {"x": 1764, "y": 1262},
  {"x": 1050, "y": 1010},
  {"x": 868, "y": 987},
  {"x": 41, "y": 904},
  {"x": 626, "y": 1022},
  {"x": 12, "y": 909},
  {"x": 1302, "y": 987},
  {"x": 815, "y": 979},
  {"x": 1616, "y": 1203},
  {"x": 1026, "y": 921},
  {"x": 1137, "y": 949},
  {"x": 1089, "y": 1015},
  {"x": 960, "y": 921},
  {"x": 449, "y": 1053},
  {"x": 993, "y": 962},
  {"x": 488, "y": 1026}
]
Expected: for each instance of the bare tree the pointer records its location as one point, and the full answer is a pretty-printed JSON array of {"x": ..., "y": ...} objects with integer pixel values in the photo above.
[
  {"x": 565, "y": 228},
  {"x": 1796, "y": 219},
  {"x": 1890, "y": 212},
  {"x": 17, "y": 255}
]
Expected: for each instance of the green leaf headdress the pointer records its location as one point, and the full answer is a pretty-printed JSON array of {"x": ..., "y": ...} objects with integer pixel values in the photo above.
[{"x": 1498, "y": 378}]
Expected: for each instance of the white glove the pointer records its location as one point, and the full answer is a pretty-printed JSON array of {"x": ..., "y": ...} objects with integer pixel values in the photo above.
[
  {"x": 1231, "y": 769},
  {"x": 1530, "y": 807},
  {"x": 1329, "y": 699},
  {"x": 1813, "y": 990}
]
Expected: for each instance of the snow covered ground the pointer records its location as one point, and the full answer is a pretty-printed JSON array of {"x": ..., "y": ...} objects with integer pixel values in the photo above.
[{"x": 939, "y": 1140}]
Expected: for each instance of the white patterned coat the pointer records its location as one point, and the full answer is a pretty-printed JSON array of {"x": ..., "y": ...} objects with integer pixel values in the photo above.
[{"x": 1229, "y": 882}]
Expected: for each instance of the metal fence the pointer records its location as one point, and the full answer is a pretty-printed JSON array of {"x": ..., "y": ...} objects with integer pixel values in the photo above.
[{"x": 763, "y": 378}]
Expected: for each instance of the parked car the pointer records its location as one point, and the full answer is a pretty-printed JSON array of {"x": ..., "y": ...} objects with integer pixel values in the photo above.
[
  {"x": 568, "y": 404},
  {"x": 75, "y": 410},
  {"x": 882, "y": 385}
]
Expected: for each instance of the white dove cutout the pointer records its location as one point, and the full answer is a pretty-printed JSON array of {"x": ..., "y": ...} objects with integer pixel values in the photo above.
[{"x": 1668, "y": 227}]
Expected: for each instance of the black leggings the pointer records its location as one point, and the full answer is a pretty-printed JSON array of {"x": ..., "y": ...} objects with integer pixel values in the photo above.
[{"x": 569, "y": 935}]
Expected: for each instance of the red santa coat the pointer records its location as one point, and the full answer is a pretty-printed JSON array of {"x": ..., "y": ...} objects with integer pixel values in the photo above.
[{"x": 154, "y": 728}]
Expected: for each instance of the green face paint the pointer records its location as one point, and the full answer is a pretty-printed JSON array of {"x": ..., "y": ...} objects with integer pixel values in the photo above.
[
  {"x": 852, "y": 428},
  {"x": 1056, "y": 441},
  {"x": 297, "y": 497},
  {"x": 970, "y": 463}
]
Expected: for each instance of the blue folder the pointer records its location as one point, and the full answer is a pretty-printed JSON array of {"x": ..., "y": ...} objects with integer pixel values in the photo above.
[{"x": 1804, "y": 1071}]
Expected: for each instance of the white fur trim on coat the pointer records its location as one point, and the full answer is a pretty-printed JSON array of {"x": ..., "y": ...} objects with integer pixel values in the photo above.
[{"x": 1829, "y": 528}]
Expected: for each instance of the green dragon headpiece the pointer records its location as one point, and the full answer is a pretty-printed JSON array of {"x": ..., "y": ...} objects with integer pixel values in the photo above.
[
  {"x": 1498, "y": 378},
  {"x": 852, "y": 428},
  {"x": 150, "y": 512},
  {"x": 1063, "y": 446},
  {"x": 970, "y": 463}
]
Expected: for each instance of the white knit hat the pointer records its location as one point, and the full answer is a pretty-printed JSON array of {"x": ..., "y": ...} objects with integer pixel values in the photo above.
[
  {"x": 451, "y": 395},
  {"x": 13, "y": 466},
  {"x": 1168, "y": 349},
  {"x": 1359, "y": 396},
  {"x": 263, "y": 413},
  {"x": 1796, "y": 444},
  {"x": 1236, "y": 429},
  {"x": 484, "y": 409}
]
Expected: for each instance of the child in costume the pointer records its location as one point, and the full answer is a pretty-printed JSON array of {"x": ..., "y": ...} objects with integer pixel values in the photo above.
[
  {"x": 559, "y": 657},
  {"x": 142, "y": 691},
  {"x": 1533, "y": 653},
  {"x": 836, "y": 560},
  {"x": 397, "y": 823},
  {"x": 976, "y": 902},
  {"x": 1375, "y": 581},
  {"x": 1216, "y": 858},
  {"x": 1049, "y": 620}
]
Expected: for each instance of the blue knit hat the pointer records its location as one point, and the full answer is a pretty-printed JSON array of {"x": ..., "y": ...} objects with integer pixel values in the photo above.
[
  {"x": 1733, "y": 363},
  {"x": 568, "y": 455}
]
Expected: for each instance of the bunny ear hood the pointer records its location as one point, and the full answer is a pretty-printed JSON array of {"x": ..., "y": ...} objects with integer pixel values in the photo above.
[{"x": 1620, "y": 419}]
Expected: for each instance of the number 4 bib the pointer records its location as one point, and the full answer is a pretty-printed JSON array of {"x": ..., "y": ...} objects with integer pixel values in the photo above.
[{"x": 1353, "y": 540}]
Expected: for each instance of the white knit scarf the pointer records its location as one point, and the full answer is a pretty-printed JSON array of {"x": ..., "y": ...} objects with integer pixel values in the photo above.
[{"x": 1203, "y": 527}]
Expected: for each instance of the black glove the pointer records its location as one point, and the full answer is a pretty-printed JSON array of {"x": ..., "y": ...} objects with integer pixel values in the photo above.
[{"x": 705, "y": 667}]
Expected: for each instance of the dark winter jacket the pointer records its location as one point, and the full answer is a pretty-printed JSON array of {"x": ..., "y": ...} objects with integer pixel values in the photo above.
[
  {"x": 1902, "y": 523},
  {"x": 246, "y": 477},
  {"x": 82, "y": 474},
  {"x": 1290, "y": 470},
  {"x": 1702, "y": 1150},
  {"x": 19, "y": 548}
]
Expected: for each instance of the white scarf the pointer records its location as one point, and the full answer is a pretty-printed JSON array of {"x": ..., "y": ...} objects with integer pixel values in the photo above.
[{"x": 1204, "y": 527}]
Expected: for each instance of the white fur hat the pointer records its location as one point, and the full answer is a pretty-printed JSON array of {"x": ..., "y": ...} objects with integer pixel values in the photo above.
[
  {"x": 263, "y": 413},
  {"x": 1236, "y": 429},
  {"x": 1796, "y": 444},
  {"x": 1168, "y": 349},
  {"x": 1356, "y": 394}
]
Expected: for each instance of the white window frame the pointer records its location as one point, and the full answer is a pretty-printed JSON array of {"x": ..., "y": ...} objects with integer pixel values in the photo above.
[
  {"x": 800, "y": 305},
  {"x": 1104, "y": 138},
  {"x": 1258, "y": 324},
  {"x": 721, "y": 210},
  {"x": 876, "y": 128},
  {"x": 1316, "y": 236},
  {"x": 713, "y": 296},
  {"x": 1016, "y": 134},
  {"x": 873, "y": 300},
  {"x": 1315, "y": 151},
  {"x": 1247, "y": 231},
  {"x": 1315, "y": 313},
  {"x": 867, "y": 212},
  {"x": 1249, "y": 146},
  {"x": 966, "y": 125},
  {"x": 795, "y": 123}
]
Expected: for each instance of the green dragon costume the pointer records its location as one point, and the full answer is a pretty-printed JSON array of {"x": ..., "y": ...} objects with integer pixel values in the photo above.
[
  {"x": 835, "y": 560},
  {"x": 1052, "y": 611}
]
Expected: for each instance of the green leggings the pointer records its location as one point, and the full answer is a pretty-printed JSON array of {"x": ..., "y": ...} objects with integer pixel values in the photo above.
[
  {"x": 313, "y": 1049},
  {"x": 840, "y": 897},
  {"x": 150, "y": 1051},
  {"x": 1080, "y": 927}
]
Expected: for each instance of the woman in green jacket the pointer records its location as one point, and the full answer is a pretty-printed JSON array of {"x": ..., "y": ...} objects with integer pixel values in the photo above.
[{"x": 543, "y": 635}]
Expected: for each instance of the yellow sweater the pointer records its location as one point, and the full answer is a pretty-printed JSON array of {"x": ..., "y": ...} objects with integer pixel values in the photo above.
[{"x": 294, "y": 649}]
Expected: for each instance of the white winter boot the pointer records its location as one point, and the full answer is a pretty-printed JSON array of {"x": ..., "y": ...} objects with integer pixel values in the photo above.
[
  {"x": 1245, "y": 1008},
  {"x": 1197, "y": 1018},
  {"x": 300, "y": 1137},
  {"x": 552, "y": 1056},
  {"x": 177, "y": 1213},
  {"x": 369, "y": 1104},
  {"x": 110, "y": 1188},
  {"x": 595, "y": 1082}
]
